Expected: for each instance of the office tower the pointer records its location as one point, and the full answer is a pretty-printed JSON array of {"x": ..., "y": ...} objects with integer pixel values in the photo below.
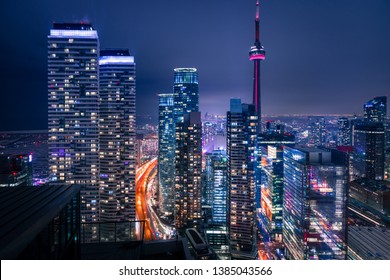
[
  {"x": 257, "y": 54},
  {"x": 16, "y": 170},
  {"x": 117, "y": 137},
  {"x": 241, "y": 139},
  {"x": 166, "y": 152},
  {"x": 344, "y": 132},
  {"x": 272, "y": 192},
  {"x": 216, "y": 188},
  {"x": 188, "y": 171},
  {"x": 369, "y": 155},
  {"x": 73, "y": 111},
  {"x": 316, "y": 131},
  {"x": 186, "y": 92},
  {"x": 375, "y": 110},
  {"x": 314, "y": 205}
]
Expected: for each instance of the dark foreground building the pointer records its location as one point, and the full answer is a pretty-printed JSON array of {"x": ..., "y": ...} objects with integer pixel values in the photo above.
[{"x": 40, "y": 222}]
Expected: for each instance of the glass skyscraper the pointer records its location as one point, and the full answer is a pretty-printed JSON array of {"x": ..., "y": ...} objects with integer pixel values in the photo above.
[
  {"x": 369, "y": 151},
  {"x": 375, "y": 111},
  {"x": 186, "y": 92},
  {"x": 314, "y": 205},
  {"x": 73, "y": 111},
  {"x": 117, "y": 136},
  {"x": 241, "y": 139},
  {"x": 166, "y": 152},
  {"x": 216, "y": 188}
]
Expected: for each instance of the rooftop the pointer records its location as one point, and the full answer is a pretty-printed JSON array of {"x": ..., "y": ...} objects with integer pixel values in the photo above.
[{"x": 25, "y": 211}]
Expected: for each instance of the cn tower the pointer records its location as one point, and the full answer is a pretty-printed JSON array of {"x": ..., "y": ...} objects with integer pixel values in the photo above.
[{"x": 257, "y": 54}]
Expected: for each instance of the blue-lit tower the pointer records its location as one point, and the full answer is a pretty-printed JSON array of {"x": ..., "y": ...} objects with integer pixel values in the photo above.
[{"x": 166, "y": 152}]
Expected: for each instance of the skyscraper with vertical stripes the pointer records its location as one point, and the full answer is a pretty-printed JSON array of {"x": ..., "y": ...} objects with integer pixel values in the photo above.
[
  {"x": 241, "y": 164},
  {"x": 73, "y": 111},
  {"x": 117, "y": 137}
]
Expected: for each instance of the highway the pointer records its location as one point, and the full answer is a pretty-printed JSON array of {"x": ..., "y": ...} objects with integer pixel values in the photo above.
[{"x": 144, "y": 175}]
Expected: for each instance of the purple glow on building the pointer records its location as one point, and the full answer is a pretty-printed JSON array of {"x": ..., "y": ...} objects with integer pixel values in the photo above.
[{"x": 257, "y": 57}]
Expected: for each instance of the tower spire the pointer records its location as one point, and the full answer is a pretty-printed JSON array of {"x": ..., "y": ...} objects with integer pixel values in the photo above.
[
  {"x": 257, "y": 54},
  {"x": 257, "y": 21}
]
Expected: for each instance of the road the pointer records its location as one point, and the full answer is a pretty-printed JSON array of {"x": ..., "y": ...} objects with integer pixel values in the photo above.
[{"x": 144, "y": 175}]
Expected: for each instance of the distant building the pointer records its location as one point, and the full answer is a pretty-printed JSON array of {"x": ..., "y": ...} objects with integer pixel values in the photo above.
[
  {"x": 369, "y": 151},
  {"x": 343, "y": 132},
  {"x": 368, "y": 243},
  {"x": 314, "y": 206},
  {"x": 241, "y": 183},
  {"x": 117, "y": 138},
  {"x": 316, "y": 131},
  {"x": 73, "y": 111},
  {"x": 16, "y": 170},
  {"x": 40, "y": 223},
  {"x": 188, "y": 171},
  {"x": 375, "y": 110},
  {"x": 166, "y": 152},
  {"x": 276, "y": 139}
]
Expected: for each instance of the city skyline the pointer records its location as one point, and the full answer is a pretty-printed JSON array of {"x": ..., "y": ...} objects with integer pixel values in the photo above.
[{"x": 317, "y": 68}]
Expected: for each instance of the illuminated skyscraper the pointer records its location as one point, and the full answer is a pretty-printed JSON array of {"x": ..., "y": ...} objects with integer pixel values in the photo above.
[
  {"x": 375, "y": 110},
  {"x": 316, "y": 130},
  {"x": 369, "y": 151},
  {"x": 314, "y": 204},
  {"x": 257, "y": 54},
  {"x": 73, "y": 111},
  {"x": 186, "y": 92},
  {"x": 216, "y": 188},
  {"x": 344, "y": 132},
  {"x": 117, "y": 136},
  {"x": 188, "y": 171},
  {"x": 241, "y": 138},
  {"x": 166, "y": 152}
]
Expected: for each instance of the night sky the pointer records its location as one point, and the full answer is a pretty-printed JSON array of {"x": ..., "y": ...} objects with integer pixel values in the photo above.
[{"x": 323, "y": 57}]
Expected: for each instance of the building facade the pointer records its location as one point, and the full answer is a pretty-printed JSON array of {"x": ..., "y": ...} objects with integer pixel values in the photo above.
[
  {"x": 216, "y": 187},
  {"x": 117, "y": 136},
  {"x": 186, "y": 92},
  {"x": 188, "y": 172},
  {"x": 241, "y": 181},
  {"x": 314, "y": 205},
  {"x": 166, "y": 152},
  {"x": 271, "y": 211},
  {"x": 369, "y": 151},
  {"x": 73, "y": 111},
  {"x": 343, "y": 132},
  {"x": 316, "y": 131}
]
